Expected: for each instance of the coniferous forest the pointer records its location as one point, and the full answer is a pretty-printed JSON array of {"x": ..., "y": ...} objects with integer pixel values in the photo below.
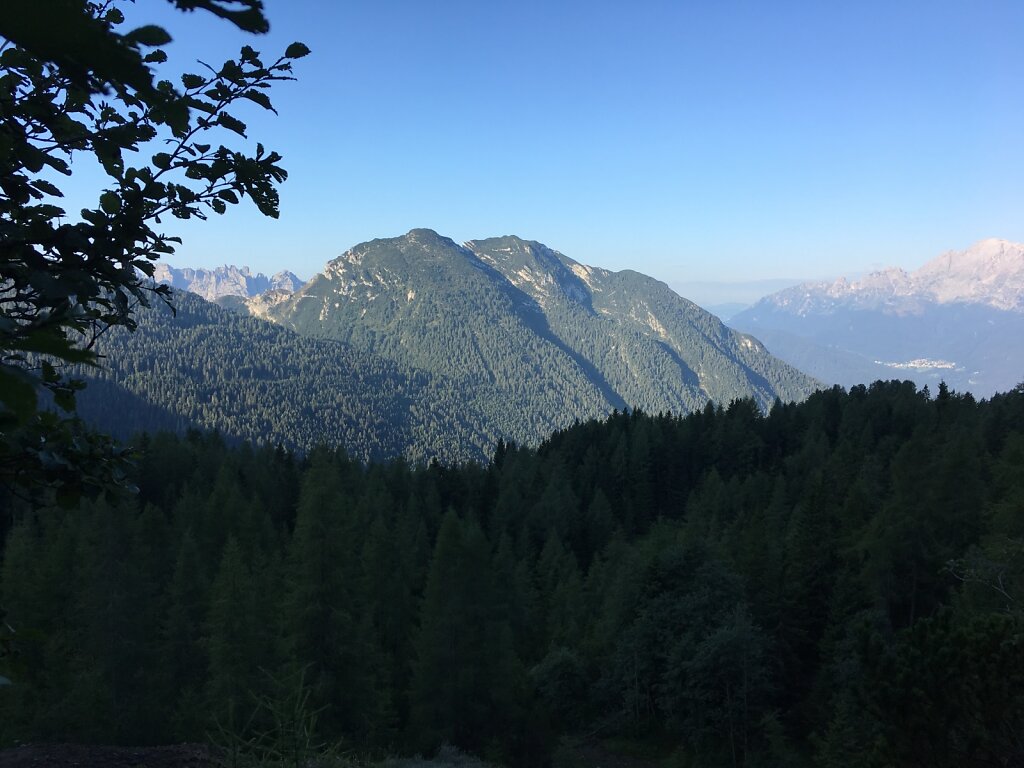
[{"x": 834, "y": 583}]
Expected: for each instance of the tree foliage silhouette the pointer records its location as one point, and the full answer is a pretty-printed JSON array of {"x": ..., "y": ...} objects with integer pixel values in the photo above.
[{"x": 74, "y": 85}]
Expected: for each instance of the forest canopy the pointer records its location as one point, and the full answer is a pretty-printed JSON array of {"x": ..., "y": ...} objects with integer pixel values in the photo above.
[{"x": 835, "y": 583}]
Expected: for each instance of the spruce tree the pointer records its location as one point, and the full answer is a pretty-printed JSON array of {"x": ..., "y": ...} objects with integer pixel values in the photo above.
[
  {"x": 234, "y": 673},
  {"x": 182, "y": 649},
  {"x": 325, "y": 633},
  {"x": 467, "y": 680}
]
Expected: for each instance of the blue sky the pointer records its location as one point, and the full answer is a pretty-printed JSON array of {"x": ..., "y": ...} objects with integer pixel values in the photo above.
[{"x": 693, "y": 141}]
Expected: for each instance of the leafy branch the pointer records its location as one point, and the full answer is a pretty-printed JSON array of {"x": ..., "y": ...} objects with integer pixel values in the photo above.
[{"x": 73, "y": 84}]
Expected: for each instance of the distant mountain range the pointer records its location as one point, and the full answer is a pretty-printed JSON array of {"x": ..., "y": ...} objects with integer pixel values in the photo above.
[
  {"x": 226, "y": 281},
  {"x": 958, "y": 319},
  {"x": 442, "y": 349}
]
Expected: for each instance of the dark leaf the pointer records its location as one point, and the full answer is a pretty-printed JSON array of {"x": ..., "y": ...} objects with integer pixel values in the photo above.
[
  {"x": 16, "y": 390},
  {"x": 64, "y": 399},
  {"x": 251, "y": 56},
  {"x": 249, "y": 18},
  {"x": 260, "y": 98},
  {"x": 48, "y": 211},
  {"x": 231, "y": 71},
  {"x": 201, "y": 105},
  {"x": 44, "y": 186},
  {"x": 149, "y": 35},
  {"x": 231, "y": 123},
  {"x": 110, "y": 202}
]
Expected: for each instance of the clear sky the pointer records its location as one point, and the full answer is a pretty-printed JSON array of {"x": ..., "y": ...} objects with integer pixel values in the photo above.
[{"x": 693, "y": 141}]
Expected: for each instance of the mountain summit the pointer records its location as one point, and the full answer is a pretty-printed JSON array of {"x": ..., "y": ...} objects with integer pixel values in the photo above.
[{"x": 990, "y": 272}]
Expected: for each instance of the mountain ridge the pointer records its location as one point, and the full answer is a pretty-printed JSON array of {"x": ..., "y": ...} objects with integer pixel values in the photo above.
[
  {"x": 654, "y": 349},
  {"x": 959, "y": 318},
  {"x": 990, "y": 272},
  {"x": 225, "y": 281}
]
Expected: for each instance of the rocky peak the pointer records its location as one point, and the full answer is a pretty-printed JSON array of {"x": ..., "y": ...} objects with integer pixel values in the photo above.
[
  {"x": 285, "y": 281},
  {"x": 989, "y": 272},
  {"x": 533, "y": 267},
  {"x": 228, "y": 280}
]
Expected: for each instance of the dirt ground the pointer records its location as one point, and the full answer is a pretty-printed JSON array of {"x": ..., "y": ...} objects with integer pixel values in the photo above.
[{"x": 83, "y": 756}]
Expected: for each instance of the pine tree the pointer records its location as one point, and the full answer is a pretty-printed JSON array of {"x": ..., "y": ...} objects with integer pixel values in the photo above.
[
  {"x": 234, "y": 673},
  {"x": 183, "y": 650},
  {"x": 467, "y": 680},
  {"x": 324, "y": 631}
]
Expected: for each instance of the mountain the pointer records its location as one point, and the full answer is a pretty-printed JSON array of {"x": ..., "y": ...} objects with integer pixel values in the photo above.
[
  {"x": 226, "y": 281},
  {"x": 531, "y": 334},
  {"x": 990, "y": 273},
  {"x": 420, "y": 347},
  {"x": 958, "y": 319}
]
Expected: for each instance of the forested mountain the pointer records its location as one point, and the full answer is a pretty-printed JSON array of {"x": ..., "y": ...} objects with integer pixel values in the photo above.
[
  {"x": 203, "y": 366},
  {"x": 958, "y": 319},
  {"x": 527, "y": 330},
  {"x": 421, "y": 348},
  {"x": 657, "y": 351},
  {"x": 835, "y": 583}
]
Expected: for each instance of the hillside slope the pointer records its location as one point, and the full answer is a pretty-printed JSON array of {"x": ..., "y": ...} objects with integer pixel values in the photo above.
[{"x": 207, "y": 367}]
